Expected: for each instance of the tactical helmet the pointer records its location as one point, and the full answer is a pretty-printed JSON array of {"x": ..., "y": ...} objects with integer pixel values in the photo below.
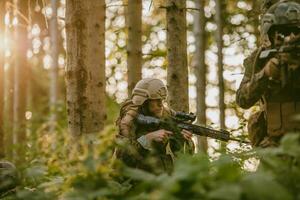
[
  {"x": 283, "y": 16},
  {"x": 8, "y": 176},
  {"x": 148, "y": 88}
]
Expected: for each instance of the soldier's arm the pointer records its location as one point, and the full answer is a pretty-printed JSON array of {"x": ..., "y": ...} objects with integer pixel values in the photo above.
[
  {"x": 127, "y": 129},
  {"x": 128, "y": 132},
  {"x": 253, "y": 86}
]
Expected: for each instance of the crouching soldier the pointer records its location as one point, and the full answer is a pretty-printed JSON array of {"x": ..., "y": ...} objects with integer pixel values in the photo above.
[{"x": 149, "y": 148}]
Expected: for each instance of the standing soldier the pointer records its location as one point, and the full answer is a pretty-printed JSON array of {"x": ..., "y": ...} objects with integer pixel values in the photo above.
[
  {"x": 272, "y": 76},
  {"x": 145, "y": 147}
]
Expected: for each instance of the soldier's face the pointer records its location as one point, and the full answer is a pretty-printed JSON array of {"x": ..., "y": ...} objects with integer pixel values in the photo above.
[
  {"x": 286, "y": 36},
  {"x": 156, "y": 107}
]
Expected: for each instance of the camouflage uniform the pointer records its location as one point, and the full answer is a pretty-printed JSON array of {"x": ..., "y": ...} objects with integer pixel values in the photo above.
[
  {"x": 280, "y": 105},
  {"x": 136, "y": 151}
]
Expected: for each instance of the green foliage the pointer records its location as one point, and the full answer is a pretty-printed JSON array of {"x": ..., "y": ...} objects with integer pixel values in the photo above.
[
  {"x": 59, "y": 167},
  {"x": 93, "y": 173},
  {"x": 198, "y": 178}
]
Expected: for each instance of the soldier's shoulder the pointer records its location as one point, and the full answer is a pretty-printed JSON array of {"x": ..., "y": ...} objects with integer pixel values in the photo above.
[
  {"x": 129, "y": 116},
  {"x": 248, "y": 61},
  {"x": 128, "y": 111}
]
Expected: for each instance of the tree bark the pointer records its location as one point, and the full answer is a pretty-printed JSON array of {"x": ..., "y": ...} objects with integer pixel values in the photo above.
[
  {"x": 20, "y": 79},
  {"x": 2, "y": 26},
  {"x": 256, "y": 21},
  {"x": 219, "y": 39},
  {"x": 54, "y": 64},
  {"x": 200, "y": 69},
  {"x": 9, "y": 93},
  {"x": 85, "y": 71},
  {"x": 134, "y": 45},
  {"x": 177, "y": 72}
]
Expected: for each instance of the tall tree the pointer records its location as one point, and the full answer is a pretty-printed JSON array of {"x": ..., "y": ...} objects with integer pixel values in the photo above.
[
  {"x": 219, "y": 39},
  {"x": 85, "y": 71},
  {"x": 200, "y": 68},
  {"x": 54, "y": 63},
  {"x": 177, "y": 74},
  {"x": 20, "y": 76},
  {"x": 256, "y": 6},
  {"x": 2, "y": 26},
  {"x": 134, "y": 45},
  {"x": 9, "y": 92}
]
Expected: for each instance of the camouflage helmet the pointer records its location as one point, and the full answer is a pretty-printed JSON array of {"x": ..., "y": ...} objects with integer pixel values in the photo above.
[
  {"x": 283, "y": 16},
  {"x": 148, "y": 88}
]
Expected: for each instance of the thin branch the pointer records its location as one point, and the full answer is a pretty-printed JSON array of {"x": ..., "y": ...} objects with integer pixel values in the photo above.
[
  {"x": 10, "y": 5},
  {"x": 61, "y": 18},
  {"x": 167, "y": 7},
  {"x": 44, "y": 6},
  {"x": 150, "y": 5},
  {"x": 115, "y": 5},
  {"x": 29, "y": 13},
  {"x": 196, "y": 9}
]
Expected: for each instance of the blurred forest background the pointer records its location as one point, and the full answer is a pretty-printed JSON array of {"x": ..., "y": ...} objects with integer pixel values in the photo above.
[{"x": 66, "y": 65}]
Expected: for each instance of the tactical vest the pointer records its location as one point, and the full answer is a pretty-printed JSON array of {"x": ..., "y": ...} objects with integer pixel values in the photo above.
[{"x": 282, "y": 105}]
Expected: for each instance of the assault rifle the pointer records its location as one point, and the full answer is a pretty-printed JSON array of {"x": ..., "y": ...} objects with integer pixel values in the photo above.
[
  {"x": 179, "y": 123},
  {"x": 269, "y": 53},
  {"x": 292, "y": 48}
]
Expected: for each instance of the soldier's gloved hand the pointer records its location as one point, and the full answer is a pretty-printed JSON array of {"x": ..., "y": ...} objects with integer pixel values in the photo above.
[
  {"x": 186, "y": 134},
  {"x": 271, "y": 69},
  {"x": 158, "y": 136}
]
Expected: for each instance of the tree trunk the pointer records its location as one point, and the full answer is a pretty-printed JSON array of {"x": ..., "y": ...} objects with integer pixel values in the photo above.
[
  {"x": 134, "y": 45},
  {"x": 256, "y": 6},
  {"x": 177, "y": 55},
  {"x": 54, "y": 64},
  {"x": 85, "y": 71},
  {"x": 200, "y": 69},
  {"x": 219, "y": 38},
  {"x": 2, "y": 26},
  {"x": 20, "y": 79},
  {"x": 9, "y": 93}
]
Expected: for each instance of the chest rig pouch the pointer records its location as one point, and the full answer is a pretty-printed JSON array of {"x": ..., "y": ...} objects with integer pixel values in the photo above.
[{"x": 282, "y": 106}]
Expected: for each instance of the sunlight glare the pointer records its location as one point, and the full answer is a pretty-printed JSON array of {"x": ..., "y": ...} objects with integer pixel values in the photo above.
[
  {"x": 48, "y": 12},
  {"x": 213, "y": 115},
  {"x": 232, "y": 122},
  {"x": 15, "y": 21},
  {"x": 29, "y": 54},
  {"x": 47, "y": 61},
  {"x": 6, "y": 19},
  {"x": 7, "y": 53},
  {"x": 61, "y": 60},
  {"x": 35, "y": 31},
  {"x": 28, "y": 115},
  {"x": 211, "y": 98}
]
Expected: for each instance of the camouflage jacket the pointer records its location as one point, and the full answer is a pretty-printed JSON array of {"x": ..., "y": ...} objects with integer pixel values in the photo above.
[
  {"x": 254, "y": 83},
  {"x": 279, "y": 105},
  {"x": 133, "y": 153}
]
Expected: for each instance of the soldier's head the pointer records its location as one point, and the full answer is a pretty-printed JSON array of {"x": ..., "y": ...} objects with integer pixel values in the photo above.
[
  {"x": 150, "y": 94},
  {"x": 281, "y": 20}
]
